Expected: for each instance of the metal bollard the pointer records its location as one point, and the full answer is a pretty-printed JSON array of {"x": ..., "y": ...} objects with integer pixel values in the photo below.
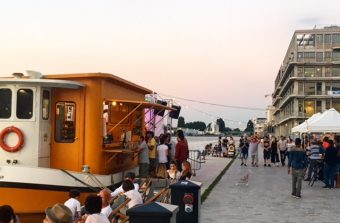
[
  {"x": 154, "y": 212},
  {"x": 187, "y": 195}
]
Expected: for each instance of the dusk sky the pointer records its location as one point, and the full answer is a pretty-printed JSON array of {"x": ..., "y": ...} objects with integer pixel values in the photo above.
[{"x": 224, "y": 52}]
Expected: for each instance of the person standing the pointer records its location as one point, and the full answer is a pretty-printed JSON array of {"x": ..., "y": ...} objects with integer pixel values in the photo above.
[
  {"x": 144, "y": 161},
  {"x": 274, "y": 152},
  {"x": 253, "y": 148},
  {"x": 266, "y": 151},
  {"x": 330, "y": 163},
  {"x": 282, "y": 146},
  {"x": 182, "y": 149},
  {"x": 152, "y": 145},
  {"x": 162, "y": 153},
  {"x": 315, "y": 153},
  {"x": 296, "y": 166},
  {"x": 244, "y": 152}
]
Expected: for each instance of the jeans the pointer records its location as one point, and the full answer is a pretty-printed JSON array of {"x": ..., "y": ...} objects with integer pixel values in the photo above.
[
  {"x": 283, "y": 155},
  {"x": 297, "y": 176},
  {"x": 312, "y": 165},
  {"x": 329, "y": 173}
]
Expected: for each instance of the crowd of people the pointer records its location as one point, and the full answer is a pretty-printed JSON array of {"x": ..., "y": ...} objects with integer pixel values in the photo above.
[
  {"x": 158, "y": 157},
  {"x": 303, "y": 155}
]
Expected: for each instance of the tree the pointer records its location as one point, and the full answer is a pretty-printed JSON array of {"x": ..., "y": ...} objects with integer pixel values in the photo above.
[
  {"x": 181, "y": 122},
  {"x": 201, "y": 126},
  {"x": 237, "y": 130},
  {"x": 221, "y": 124},
  {"x": 250, "y": 127}
]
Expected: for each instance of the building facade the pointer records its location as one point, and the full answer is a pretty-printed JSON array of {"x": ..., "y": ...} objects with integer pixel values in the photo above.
[{"x": 308, "y": 80}]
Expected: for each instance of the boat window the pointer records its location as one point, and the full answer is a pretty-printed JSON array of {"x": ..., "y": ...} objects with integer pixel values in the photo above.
[
  {"x": 65, "y": 122},
  {"x": 45, "y": 105},
  {"x": 5, "y": 102},
  {"x": 24, "y": 103},
  {"x": 118, "y": 111}
]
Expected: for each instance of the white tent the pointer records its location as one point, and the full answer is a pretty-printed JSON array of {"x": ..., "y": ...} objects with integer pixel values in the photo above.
[
  {"x": 303, "y": 126},
  {"x": 329, "y": 121}
]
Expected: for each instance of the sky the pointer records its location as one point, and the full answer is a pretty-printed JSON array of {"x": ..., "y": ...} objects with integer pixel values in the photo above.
[{"x": 217, "y": 51}]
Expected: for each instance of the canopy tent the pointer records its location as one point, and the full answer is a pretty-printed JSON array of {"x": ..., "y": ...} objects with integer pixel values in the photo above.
[
  {"x": 303, "y": 126},
  {"x": 328, "y": 121}
]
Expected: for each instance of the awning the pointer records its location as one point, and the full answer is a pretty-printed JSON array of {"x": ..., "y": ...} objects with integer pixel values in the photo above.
[
  {"x": 138, "y": 105},
  {"x": 141, "y": 104}
]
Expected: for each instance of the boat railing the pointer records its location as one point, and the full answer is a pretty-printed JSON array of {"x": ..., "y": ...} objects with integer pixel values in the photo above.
[{"x": 196, "y": 158}]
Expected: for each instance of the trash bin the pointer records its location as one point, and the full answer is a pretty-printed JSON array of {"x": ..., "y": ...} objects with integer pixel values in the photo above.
[
  {"x": 187, "y": 195},
  {"x": 154, "y": 212}
]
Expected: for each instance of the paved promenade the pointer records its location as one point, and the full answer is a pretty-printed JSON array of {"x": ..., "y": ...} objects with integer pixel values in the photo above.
[
  {"x": 267, "y": 199},
  {"x": 212, "y": 167}
]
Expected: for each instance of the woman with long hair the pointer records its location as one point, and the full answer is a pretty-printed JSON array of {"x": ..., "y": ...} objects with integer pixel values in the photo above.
[
  {"x": 186, "y": 171},
  {"x": 173, "y": 173}
]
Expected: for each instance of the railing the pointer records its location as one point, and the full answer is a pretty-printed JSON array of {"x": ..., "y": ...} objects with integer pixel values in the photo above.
[{"x": 195, "y": 159}]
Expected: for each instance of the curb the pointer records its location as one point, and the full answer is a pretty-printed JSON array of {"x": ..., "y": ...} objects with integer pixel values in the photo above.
[{"x": 217, "y": 179}]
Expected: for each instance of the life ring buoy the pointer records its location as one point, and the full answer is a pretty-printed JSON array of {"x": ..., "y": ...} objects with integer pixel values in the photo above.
[{"x": 5, "y": 132}]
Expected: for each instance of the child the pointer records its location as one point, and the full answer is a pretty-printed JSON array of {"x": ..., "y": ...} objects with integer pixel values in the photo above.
[
  {"x": 73, "y": 203},
  {"x": 244, "y": 152}
]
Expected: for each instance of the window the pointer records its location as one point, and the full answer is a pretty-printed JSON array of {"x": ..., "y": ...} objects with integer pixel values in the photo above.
[
  {"x": 336, "y": 104},
  {"x": 335, "y": 71},
  {"x": 319, "y": 39},
  {"x": 328, "y": 71},
  {"x": 319, "y": 88},
  {"x": 45, "y": 105},
  {"x": 309, "y": 88},
  {"x": 328, "y": 104},
  {"x": 300, "y": 88},
  {"x": 328, "y": 54},
  {"x": 319, "y": 56},
  {"x": 318, "y": 72},
  {"x": 118, "y": 112},
  {"x": 318, "y": 106},
  {"x": 24, "y": 103},
  {"x": 327, "y": 87},
  {"x": 65, "y": 122},
  {"x": 300, "y": 106},
  {"x": 5, "y": 103},
  {"x": 300, "y": 71},
  {"x": 336, "y": 38},
  {"x": 309, "y": 55},
  {"x": 309, "y": 72},
  {"x": 336, "y": 86},
  {"x": 309, "y": 108},
  {"x": 328, "y": 38},
  {"x": 336, "y": 56}
]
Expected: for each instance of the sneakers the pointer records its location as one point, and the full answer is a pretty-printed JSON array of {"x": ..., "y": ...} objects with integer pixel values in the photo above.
[
  {"x": 245, "y": 164},
  {"x": 242, "y": 164},
  {"x": 298, "y": 197},
  {"x": 265, "y": 165},
  {"x": 269, "y": 165},
  {"x": 277, "y": 165}
]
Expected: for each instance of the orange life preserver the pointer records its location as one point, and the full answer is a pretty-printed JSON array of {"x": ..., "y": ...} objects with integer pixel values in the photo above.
[{"x": 5, "y": 132}]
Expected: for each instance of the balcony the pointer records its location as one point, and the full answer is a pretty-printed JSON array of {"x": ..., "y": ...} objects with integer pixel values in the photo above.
[{"x": 295, "y": 115}]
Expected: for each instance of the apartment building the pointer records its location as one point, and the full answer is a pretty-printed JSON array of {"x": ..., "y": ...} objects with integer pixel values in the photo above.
[{"x": 308, "y": 80}]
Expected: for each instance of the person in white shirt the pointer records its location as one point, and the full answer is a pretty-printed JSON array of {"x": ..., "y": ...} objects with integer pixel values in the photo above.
[
  {"x": 129, "y": 176},
  {"x": 73, "y": 203},
  {"x": 105, "y": 194},
  {"x": 282, "y": 146},
  {"x": 130, "y": 192},
  {"x": 162, "y": 152},
  {"x": 93, "y": 206}
]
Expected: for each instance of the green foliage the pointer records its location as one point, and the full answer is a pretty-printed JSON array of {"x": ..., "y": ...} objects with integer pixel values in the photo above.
[
  {"x": 221, "y": 125},
  {"x": 201, "y": 126},
  {"x": 250, "y": 127},
  {"x": 181, "y": 122},
  {"x": 237, "y": 130}
]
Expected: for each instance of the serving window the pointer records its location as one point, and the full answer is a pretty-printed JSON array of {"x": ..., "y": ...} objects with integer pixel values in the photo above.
[
  {"x": 5, "y": 103},
  {"x": 65, "y": 122}
]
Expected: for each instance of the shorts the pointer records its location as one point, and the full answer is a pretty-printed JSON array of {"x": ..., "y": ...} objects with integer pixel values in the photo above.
[{"x": 266, "y": 154}]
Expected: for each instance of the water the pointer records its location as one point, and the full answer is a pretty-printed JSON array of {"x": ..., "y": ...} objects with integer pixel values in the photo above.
[{"x": 199, "y": 142}]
